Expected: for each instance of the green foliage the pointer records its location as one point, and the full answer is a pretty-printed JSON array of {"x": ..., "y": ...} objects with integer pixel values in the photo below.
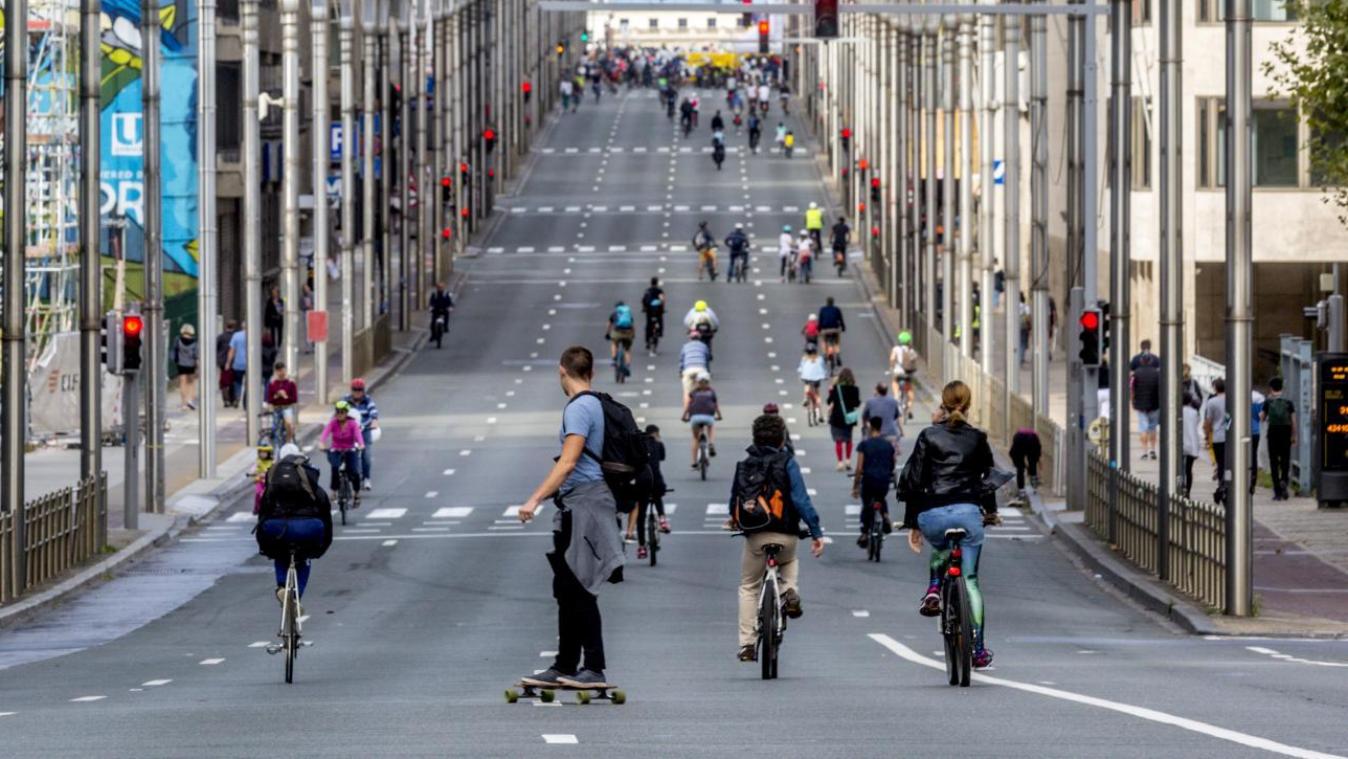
[{"x": 1310, "y": 68}]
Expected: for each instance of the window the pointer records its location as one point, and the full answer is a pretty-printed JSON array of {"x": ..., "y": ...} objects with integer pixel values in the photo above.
[
  {"x": 1332, "y": 141},
  {"x": 654, "y": 23},
  {"x": 1211, "y": 142},
  {"x": 683, "y": 23},
  {"x": 1275, "y": 145},
  {"x": 711, "y": 22},
  {"x": 1268, "y": 11}
]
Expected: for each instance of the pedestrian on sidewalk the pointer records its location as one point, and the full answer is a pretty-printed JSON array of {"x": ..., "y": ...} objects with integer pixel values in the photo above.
[
  {"x": 1102, "y": 390},
  {"x": 1190, "y": 390},
  {"x": 1214, "y": 429},
  {"x": 269, "y": 353},
  {"x": 1146, "y": 372},
  {"x": 587, "y": 545},
  {"x": 566, "y": 94},
  {"x": 1256, "y": 407},
  {"x": 1193, "y": 445},
  {"x": 185, "y": 351},
  {"x": 222, "y": 363},
  {"x": 237, "y": 361},
  {"x": 1280, "y": 427},
  {"x": 274, "y": 317},
  {"x": 844, "y": 411},
  {"x": 1025, "y": 453}
]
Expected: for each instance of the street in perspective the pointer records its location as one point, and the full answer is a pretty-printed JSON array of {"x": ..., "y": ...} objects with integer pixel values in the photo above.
[{"x": 490, "y": 378}]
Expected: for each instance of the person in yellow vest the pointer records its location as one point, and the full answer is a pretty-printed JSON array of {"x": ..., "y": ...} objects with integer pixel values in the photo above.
[{"x": 814, "y": 224}]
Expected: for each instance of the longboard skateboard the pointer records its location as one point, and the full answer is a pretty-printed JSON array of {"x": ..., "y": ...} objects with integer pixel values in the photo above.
[{"x": 548, "y": 693}]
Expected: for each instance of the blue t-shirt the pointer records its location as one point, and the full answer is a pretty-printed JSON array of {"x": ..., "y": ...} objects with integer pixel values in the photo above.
[
  {"x": 878, "y": 465},
  {"x": 239, "y": 342},
  {"x": 584, "y": 416}
]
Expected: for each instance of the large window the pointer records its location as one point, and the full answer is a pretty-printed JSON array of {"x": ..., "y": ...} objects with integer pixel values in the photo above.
[
  {"x": 683, "y": 23},
  {"x": 1269, "y": 11},
  {"x": 654, "y": 23},
  {"x": 1276, "y": 136}
]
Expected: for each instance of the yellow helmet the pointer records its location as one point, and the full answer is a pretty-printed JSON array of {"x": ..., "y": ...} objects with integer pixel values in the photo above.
[{"x": 700, "y": 305}]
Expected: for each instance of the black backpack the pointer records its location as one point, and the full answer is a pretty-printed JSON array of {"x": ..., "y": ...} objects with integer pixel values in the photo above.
[
  {"x": 762, "y": 494},
  {"x": 625, "y": 459},
  {"x": 290, "y": 491}
]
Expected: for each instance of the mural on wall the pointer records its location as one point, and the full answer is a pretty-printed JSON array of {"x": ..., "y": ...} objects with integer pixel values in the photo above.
[{"x": 122, "y": 178}]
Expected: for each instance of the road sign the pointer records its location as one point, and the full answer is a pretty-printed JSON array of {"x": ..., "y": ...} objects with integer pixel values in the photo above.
[
  {"x": 335, "y": 142},
  {"x": 316, "y": 326},
  {"x": 998, "y": 172}
]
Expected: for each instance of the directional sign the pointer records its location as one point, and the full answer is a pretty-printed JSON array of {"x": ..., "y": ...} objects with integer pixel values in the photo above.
[
  {"x": 335, "y": 142},
  {"x": 998, "y": 172}
]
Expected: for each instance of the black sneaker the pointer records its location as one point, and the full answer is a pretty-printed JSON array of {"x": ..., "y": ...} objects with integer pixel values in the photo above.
[
  {"x": 791, "y": 602},
  {"x": 586, "y": 678},
  {"x": 548, "y": 678},
  {"x": 748, "y": 653}
]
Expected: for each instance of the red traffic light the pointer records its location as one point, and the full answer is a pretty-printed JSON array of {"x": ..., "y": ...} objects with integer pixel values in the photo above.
[
  {"x": 488, "y": 134},
  {"x": 526, "y": 87},
  {"x": 132, "y": 325},
  {"x": 446, "y": 182},
  {"x": 463, "y": 212},
  {"x": 861, "y": 208},
  {"x": 446, "y": 233},
  {"x": 1090, "y": 320},
  {"x": 846, "y": 133},
  {"x": 875, "y": 231},
  {"x": 863, "y": 164},
  {"x": 875, "y": 183},
  {"x": 762, "y": 27},
  {"x": 463, "y": 168}
]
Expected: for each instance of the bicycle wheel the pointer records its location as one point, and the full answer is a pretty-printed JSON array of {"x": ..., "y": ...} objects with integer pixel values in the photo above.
[
  {"x": 344, "y": 496},
  {"x": 618, "y": 366},
  {"x": 652, "y": 533},
  {"x": 291, "y": 638},
  {"x": 877, "y": 540},
  {"x": 966, "y": 633},
  {"x": 767, "y": 630}
]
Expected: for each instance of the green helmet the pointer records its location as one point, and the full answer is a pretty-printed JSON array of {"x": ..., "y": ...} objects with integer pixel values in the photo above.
[
  {"x": 341, "y": 406},
  {"x": 905, "y": 338}
]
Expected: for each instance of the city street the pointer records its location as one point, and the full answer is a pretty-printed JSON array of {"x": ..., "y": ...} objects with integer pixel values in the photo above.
[{"x": 435, "y": 599}]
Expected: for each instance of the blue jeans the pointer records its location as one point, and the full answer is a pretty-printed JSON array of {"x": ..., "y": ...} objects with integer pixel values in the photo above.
[
  {"x": 305, "y": 535},
  {"x": 366, "y": 458},
  {"x": 352, "y": 460},
  {"x": 968, "y": 517}
]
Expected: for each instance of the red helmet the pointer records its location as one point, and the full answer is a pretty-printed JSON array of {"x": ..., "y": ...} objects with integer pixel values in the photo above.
[{"x": 358, "y": 384}]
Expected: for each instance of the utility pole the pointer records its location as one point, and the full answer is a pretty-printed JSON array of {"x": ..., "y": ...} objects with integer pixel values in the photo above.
[
  {"x": 966, "y": 205},
  {"x": 290, "y": 202},
  {"x": 1170, "y": 197},
  {"x": 91, "y": 275},
  {"x": 437, "y": 158},
  {"x": 1039, "y": 255},
  {"x": 369, "y": 33},
  {"x": 425, "y": 182},
  {"x": 386, "y": 165},
  {"x": 14, "y": 369},
  {"x": 345, "y": 30},
  {"x": 319, "y": 15},
  {"x": 947, "y": 42},
  {"x": 987, "y": 46},
  {"x": 1011, "y": 122},
  {"x": 898, "y": 182},
  {"x": 208, "y": 250},
  {"x": 406, "y": 54},
  {"x": 156, "y": 336},
  {"x": 929, "y": 53},
  {"x": 1239, "y": 312},
  {"x": 1120, "y": 290}
]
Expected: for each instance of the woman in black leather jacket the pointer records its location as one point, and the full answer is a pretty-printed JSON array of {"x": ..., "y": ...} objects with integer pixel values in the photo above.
[{"x": 942, "y": 487}]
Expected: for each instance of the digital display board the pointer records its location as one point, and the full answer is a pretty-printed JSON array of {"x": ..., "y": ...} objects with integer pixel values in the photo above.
[{"x": 1333, "y": 412}]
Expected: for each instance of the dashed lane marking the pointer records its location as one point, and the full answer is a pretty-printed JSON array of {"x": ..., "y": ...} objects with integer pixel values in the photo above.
[
  {"x": 860, "y": 613},
  {"x": 852, "y": 509},
  {"x": 86, "y": 699},
  {"x": 389, "y": 543},
  {"x": 454, "y": 512},
  {"x": 718, "y": 509},
  {"x": 1141, "y": 712},
  {"x": 389, "y": 513},
  {"x": 155, "y": 683},
  {"x": 468, "y": 452},
  {"x": 432, "y": 493},
  {"x": 545, "y": 654},
  {"x": 210, "y": 662},
  {"x": 566, "y": 738},
  {"x": 448, "y": 472},
  {"x": 259, "y": 644},
  {"x": 240, "y": 516},
  {"x": 1294, "y": 659}
]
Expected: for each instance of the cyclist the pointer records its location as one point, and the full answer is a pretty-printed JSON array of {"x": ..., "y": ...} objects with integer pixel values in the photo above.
[
  {"x": 805, "y": 249},
  {"x": 653, "y": 305},
  {"x": 903, "y": 366},
  {"x": 812, "y": 374},
  {"x": 788, "y": 143},
  {"x": 717, "y": 123},
  {"x": 841, "y": 234},
  {"x": 636, "y": 521},
  {"x": 771, "y": 474},
  {"x": 718, "y": 150},
  {"x": 342, "y": 439},
  {"x": 282, "y": 396},
  {"x": 441, "y": 305},
  {"x": 738, "y": 243},
  {"x": 831, "y": 326},
  {"x": 942, "y": 488},
  {"x": 755, "y": 131},
  {"x": 780, "y": 138},
  {"x": 686, "y": 115},
  {"x": 621, "y": 330},
  {"x": 786, "y": 250},
  {"x": 702, "y": 320},
  {"x": 764, "y": 96},
  {"x": 702, "y": 411},
  {"x": 704, "y": 242},
  {"x": 811, "y": 331},
  {"x": 294, "y": 514},
  {"x": 814, "y": 224},
  {"x": 365, "y": 410},
  {"x": 785, "y": 94},
  {"x": 875, "y": 470},
  {"x": 694, "y": 359}
]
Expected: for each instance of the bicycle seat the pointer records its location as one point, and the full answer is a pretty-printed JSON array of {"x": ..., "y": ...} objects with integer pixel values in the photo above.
[
  {"x": 772, "y": 549},
  {"x": 956, "y": 533}
]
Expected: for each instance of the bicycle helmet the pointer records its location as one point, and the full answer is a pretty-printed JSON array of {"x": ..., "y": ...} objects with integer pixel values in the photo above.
[
  {"x": 905, "y": 337},
  {"x": 358, "y": 384},
  {"x": 811, "y": 348},
  {"x": 288, "y": 450},
  {"x": 703, "y": 376},
  {"x": 700, "y": 306},
  {"x": 771, "y": 409},
  {"x": 739, "y": 226},
  {"x": 341, "y": 407},
  {"x": 786, "y": 228},
  {"x": 813, "y": 318}
]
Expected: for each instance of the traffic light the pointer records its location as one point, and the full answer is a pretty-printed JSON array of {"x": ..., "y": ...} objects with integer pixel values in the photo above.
[
  {"x": 527, "y": 89},
  {"x": 489, "y": 135},
  {"x": 875, "y": 190},
  {"x": 846, "y": 135},
  {"x": 747, "y": 19},
  {"x": 446, "y": 190},
  {"x": 1106, "y": 323},
  {"x": 826, "y": 19},
  {"x": 1090, "y": 337},
  {"x": 561, "y": 49},
  {"x": 463, "y": 174},
  {"x": 446, "y": 233},
  {"x": 131, "y": 329},
  {"x": 763, "y": 30},
  {"x": 110, "y": 339},
  {"x": 584, "y": 37}
]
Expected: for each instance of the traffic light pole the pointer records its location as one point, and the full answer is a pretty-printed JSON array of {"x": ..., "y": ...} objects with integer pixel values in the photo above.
[
  {"x": 131, "y": 451},
  {"x": 1171, "y": 252},
  {"x": 322, "y": 158},
  {"x": 156, "y": 384},
  {"x": 91, "y": 279},
  {"x": 208, "y": 255},
  {"x": 1120, "y": 295},
  {"x": 345, "y": 31},
  {"x": 369, "y": 34},
  {"x": 14, "y": 371},
  {"x": 1039, "y": 192},
  {"x": 1011, "y": 266}
]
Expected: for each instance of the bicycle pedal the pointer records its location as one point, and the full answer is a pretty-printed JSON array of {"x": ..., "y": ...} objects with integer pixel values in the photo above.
[{"x": 274, "y": 649}]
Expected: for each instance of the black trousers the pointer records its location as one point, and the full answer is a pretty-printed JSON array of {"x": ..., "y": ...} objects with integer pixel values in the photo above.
[
  {"x": 1219, "y": 453},
  {"x": 1280, "y": 456},
  {"x": 579, "y": 627},
  {"x": 1189, "y": 474},
  {"x": 1023, "y": 464},
  {"x": 1254, "y": 462},
  {"x": 871, "y": 494}
]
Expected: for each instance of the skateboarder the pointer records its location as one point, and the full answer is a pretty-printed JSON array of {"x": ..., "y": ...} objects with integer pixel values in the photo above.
[{"x": 587, "y": 546}]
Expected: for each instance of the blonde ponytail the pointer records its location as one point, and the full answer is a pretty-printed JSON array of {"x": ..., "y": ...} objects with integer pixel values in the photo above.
[{"x": 955, "y": 401}]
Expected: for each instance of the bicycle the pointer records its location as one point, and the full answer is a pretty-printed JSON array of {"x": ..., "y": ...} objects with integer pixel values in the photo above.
[
  {"x": 290, "y": 621},
  {"x": 275, "y": 435},
  {"x": 703, "y": 459},
  {"x": 876, "y": 535},
  {"x": 956, "y": 620},
  {"x": 620, "y": 364},
  {"x": 652, "y": 528},
  {"x": 739, "y": 266},
  {"x": 347, "y": 495},
  {"x": 654, "y": 331},
  {"x": 771, "y": 627},
  {"x": 707, "y": 263},
  {"x": 814, "y": 413}
]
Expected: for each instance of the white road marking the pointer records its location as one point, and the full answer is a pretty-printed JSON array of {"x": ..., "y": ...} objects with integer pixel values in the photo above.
[
  {"x": 86, "y": 699},
  {"x": 812, "y": 492},
  {"x": 259, "y": 644},
  {"x": 467, "y": 452},
  {"x": 805, "y": 470},
  {"x": 501, "y": 405},
  {"x": 432, "y": 493},
  {"x": 1294, "y": 659},
  {"x": 648, "y": 248},
  {"x": 718, "y": 509},
  {"x": 389, "y": 543},
  {"x": 525, "y": 249},
  {"x": 210, "y": 662},
  {"x": 1152, "y": 715},
  {"x": 670, "y": 508},
  {"x": 556, "y": 249},
  {"x": 860, "y": 613},
  {"x": 385, "y": 513},
  {"x": 852, "y": 509},
  {"x": 430, "y": 529},
  {"x": 573, "y": 209},
  {"x": 491, "y": 420},
  {"x": 302, "y": 619},
  {"x": 155, "y": 683},
  {"x": 453, "y": 512},
  {"x": 560, "y": 738},
  {"x": 495, "y": 250},
  {"x": 626, "y": 209},
  {"x": 448, "y": 472},
  {"x": 598, "y": 209},
  {"x": 545, "y": 654},
  {"x": 241, "y": 516},
  {"x": 505, "y": 527},
  {"x": 359, "y": 530}
]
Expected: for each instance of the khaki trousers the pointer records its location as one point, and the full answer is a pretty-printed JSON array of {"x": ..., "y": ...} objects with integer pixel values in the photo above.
[{"x": 751, "y": 576}]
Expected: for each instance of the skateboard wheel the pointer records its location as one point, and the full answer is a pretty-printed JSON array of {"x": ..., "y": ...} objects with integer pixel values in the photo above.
[
  {"x": 583, "y": 697},
  {"x": 512, "y": 695},
  {"x": 547, "y": 696},
  {"x": 618, "y": 697}
]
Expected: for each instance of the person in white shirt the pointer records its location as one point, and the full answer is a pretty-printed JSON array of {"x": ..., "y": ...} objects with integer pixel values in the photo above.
[
  {"x": 786, "y": 245},
  {"x": 764, "y": 95},
  {"x": 812, "y": 372},
  {"x": 1193, "y": 445},
  {"x": 700, "y": 313}
]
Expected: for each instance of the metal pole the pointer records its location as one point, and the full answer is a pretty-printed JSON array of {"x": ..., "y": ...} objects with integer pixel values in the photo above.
[
  {"x": 1011, "y": 122},
  {"x": 1079, "y": 392},
  {"x": 208, "y": 256},
  {"x": 406, "y": 55},
  {"x": 947, "y": 41},
  {"x": 966, "y": 204},
  {"x": 987, "y": 44},
  {"x": 1239, "y": 312},
  {"x": 319, "y": 20},
  {"x": 386, "y": 26},
  {"x": 1171, "y": 136},
  {"x": 916, "y": 252},
  {"x": 345, "y": 30},
  {"x": 131, "y": 451},
  {"x": 369, "y": 30},
  {"x": 290, "y": 198},
  {"x": 928, "y": 276},
  {"x": 15, "y": 372},
  {"x": 425, "y": 197},
  {"x": 1039, "y": 256},
  {"x": 898, "y": 183},
  {"x": 1090, "y": 169},
  {"x": 252, "y": 209},
  {"x": 440, "y": 94},
  {"x": 91, "y": 279},
  {"x": 1120, "y": 295},
  {"x": 156, "y": 343}
]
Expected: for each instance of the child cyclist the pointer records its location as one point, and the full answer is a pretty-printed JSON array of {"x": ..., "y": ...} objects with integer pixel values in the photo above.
[
  {"x": 636, "y": 519},
  {"x": 812, "y": 373},
  {"x": 875, "y": 470},
  {"x": 811, "y": 331}
]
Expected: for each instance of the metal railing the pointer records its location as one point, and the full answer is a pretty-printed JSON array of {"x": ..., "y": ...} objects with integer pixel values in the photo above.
[
  {"x": 60, "y": 532},
  {"x": 1197, "y": 531}
]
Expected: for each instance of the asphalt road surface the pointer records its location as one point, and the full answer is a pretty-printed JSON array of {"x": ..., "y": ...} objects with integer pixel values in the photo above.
[{"x": 434, "y": 599}]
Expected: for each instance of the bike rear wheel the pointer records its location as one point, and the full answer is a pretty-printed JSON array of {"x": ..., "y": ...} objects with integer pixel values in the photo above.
[
  {"x": 877, "y": 541},
  {"x": 652, "y": 533},
  {"x": 290, "y": 636},
  {"x": 767, "y": 630},
  {"x": 344, "y": 496},
  {"x": 957, "y": 626}
]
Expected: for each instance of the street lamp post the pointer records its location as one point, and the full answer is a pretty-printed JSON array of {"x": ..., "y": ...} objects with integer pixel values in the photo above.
[
  {"x": 156, "y": 342},
  {"x": 290, "y": 197},
  {"x": 12, "y": 336},
  {"x": 319, "y": 15},
  {"x": 346, "y": 23},
  {"x": 91, "y": 275}
]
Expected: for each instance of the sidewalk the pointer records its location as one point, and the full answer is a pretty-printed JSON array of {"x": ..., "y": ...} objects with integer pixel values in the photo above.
[{"x": 1301, "y": 552}]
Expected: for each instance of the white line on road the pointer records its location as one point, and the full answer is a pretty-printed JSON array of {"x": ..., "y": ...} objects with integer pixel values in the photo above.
[
  {"x": 1141, "y": 712},
  {"x": 468, "y": 452},
  {"x": 860, "y": 613},
  {"x": 385, "y": 513},
  {"x": 241, "y": 516},
  {"x": 452, "y": 512},
  {"x": 155, "y": 683},
  {"x": 86, "y": 699},
  {"x": 432, "y": 493},
  {"x": 1294, "y": 659},
  {"x": 718, "y": 509},
  {"x": 389, "y": 543},
  {"x": 259, "y": 644},
  {"x": 210, "y": 662},
  {"x": 448, "y": 472},
  {"x": 545, "y": 654},
  {"x": 560, "y": 738}
]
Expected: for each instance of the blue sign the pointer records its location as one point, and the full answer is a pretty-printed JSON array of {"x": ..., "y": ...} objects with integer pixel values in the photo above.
[{"x": 998, "y": 172}]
